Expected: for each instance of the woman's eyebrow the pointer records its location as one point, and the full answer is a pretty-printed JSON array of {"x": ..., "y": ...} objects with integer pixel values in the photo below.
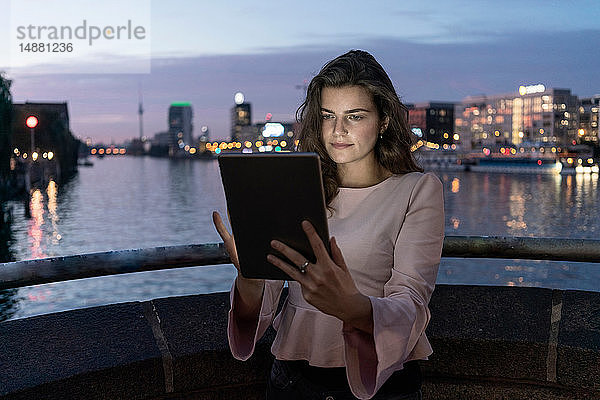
[{"x": 347, "y": 111}]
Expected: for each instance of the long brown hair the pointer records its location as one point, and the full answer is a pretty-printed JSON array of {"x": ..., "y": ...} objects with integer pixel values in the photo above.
[{"x": 357, "y": 68}]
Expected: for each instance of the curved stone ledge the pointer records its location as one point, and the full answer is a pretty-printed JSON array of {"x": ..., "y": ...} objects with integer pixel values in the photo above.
[{"x": 489, "y": 342}]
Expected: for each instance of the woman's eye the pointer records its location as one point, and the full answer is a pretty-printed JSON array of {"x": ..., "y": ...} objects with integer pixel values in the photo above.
[
  {"x": 355, "y": 117},
  {"x": 326, "y": 116}
]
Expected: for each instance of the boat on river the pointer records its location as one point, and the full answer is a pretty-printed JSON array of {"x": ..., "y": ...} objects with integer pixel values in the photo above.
[{"x": 509, "y": 160}]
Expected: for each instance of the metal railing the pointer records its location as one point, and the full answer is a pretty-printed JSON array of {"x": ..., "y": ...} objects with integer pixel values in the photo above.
[{"x": 56, "y": 269}]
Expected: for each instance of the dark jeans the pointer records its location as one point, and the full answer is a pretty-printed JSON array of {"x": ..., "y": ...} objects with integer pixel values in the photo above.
[{"x": 296, "y": 380}]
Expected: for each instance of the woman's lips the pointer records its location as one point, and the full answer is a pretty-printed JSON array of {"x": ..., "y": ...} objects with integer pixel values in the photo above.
[{"x": 340, "y": 145}]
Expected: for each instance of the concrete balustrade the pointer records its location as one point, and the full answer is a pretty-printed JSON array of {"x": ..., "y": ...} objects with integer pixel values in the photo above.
[{"x": 489, "y": 342}]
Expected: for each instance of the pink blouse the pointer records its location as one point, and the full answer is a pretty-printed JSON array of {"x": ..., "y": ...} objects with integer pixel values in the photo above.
[{"x": 391, "y": 236}]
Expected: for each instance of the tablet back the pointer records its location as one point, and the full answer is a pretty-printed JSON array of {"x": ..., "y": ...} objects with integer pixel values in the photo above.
[{"x": 268, "y": 196}]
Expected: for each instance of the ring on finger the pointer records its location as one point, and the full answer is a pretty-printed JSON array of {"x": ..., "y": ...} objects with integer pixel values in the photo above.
[{"x": 302, "y": 268}]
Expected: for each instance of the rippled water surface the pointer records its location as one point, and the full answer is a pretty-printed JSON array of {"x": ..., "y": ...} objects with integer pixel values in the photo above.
[{"x": 137, "y": 202}]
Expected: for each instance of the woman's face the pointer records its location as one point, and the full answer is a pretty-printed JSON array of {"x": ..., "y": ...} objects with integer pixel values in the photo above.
[{"x": 350, "y": 125}]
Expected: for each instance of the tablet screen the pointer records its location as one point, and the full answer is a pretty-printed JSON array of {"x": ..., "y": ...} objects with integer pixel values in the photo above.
[{"x": 268, "y": 196}]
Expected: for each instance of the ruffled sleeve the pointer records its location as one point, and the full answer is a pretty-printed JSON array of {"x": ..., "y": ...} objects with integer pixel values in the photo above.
[
  {"x": 242, "y": 341},
  {"x": 401, "y": 316}
]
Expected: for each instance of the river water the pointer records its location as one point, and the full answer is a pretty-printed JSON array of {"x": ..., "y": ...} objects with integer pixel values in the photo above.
[{"x": 138, "y": 202}]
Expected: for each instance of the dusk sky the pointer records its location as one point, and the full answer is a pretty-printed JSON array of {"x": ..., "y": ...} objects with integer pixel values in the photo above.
[{"x": 203, "y": 52}]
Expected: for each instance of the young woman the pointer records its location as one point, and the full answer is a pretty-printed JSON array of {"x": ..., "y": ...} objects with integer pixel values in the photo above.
[{"x": 353, "y": 324}]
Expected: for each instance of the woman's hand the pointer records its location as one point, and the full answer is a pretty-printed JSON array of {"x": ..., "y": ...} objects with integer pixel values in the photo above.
[
  {"x": 230, "y": 247},
  {"x": 250, "y": 290},
  {"x": 227, "y": 239},
  {"x": 327, "y": 284}
]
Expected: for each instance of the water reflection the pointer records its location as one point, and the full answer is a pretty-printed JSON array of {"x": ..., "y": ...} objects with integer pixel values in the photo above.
[
  {"x": 517, "y": 225},
  {"x": 162, "y": 202},
  {"x": 52, "y": 192},
  {"x": 523, "y": 273},
  {"x": 455, "y": 185},
  {"x": 8, "y": 299},
  {"x": 35, "y": 233}
]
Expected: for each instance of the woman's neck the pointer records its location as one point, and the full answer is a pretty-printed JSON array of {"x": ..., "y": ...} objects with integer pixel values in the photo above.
[{"x": 363, "y": 177}]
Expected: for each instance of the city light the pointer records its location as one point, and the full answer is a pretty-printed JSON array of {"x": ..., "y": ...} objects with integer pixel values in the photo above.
[
  {"x": 273, "y": 129},
  {"x": 417, "y": 132},
  {"x": 238, "y": 98},
  {"x": 523, "y": 90},
  {"x": 558, "y": 166},
  {"x": 31, "y": 121}
]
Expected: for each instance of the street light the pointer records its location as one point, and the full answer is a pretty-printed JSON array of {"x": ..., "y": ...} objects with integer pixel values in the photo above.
[{"x": 32, "y": 122}]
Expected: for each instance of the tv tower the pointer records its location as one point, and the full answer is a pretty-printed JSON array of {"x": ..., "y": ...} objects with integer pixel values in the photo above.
[{"x": 141, "y": 113}]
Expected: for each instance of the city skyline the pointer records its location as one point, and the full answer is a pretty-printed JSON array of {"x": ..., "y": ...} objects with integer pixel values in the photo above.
[{"x": 432, "y": 52}]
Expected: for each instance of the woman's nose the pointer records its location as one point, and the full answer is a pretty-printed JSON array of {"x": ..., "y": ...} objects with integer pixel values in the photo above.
[{"x": 340, "y": 128}]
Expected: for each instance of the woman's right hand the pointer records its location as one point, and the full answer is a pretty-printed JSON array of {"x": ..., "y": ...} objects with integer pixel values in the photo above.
[
  {"x": 227, "y": 239},
  {"x": 230, "y": 247},
  {"x": 250, "y": 290}
]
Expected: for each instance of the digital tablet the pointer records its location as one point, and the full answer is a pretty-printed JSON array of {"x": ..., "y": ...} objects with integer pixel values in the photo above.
[{"x": 268, "y": 196}]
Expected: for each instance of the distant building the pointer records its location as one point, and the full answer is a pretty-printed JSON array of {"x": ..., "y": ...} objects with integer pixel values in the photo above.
[
  {"x": 548, "y": 117},
  {"x": 483, "y": 121},
  {"x": 180, "y": 125},
  {"x": 589, "y": 129},
  {"x": 5, "y": 126},
  {"x": 432, "y": 121},
  {"x": 534, "y": 115},
  {"x": 241, "y": 119},
  {"x": 52, "y": 134},
  {"x": 241, "y": 122},
  {"x": 162, "y": 139}
]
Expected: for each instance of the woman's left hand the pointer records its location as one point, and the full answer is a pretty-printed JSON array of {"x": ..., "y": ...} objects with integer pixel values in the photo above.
[{"x": 326, "y": 284}]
